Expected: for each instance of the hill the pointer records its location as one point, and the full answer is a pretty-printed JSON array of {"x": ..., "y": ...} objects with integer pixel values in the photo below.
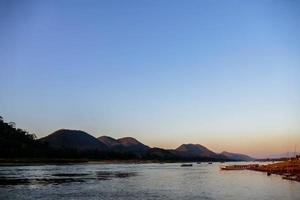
[
  {"x": 237, "y": 157},
  {"x": 198, "y": 152},
  {"x": 195, "y": 150},
  {"x": 73, "y": 139},
  {"x": 78, "y": 144},
  {"x": 109, "y": 141},
  {"x": 132, "y": 144}
]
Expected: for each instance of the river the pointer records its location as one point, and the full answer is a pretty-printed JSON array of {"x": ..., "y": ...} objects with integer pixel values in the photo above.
[{"x": 141, "y": 181}]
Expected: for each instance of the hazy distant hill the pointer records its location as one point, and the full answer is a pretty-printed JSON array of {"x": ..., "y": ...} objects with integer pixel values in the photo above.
[
  {"x": 236, "y": 156},
  {"x": 109, "y": 141},
  {"x": 132, "y": 144},
  {"x": 73, "y": 139},
  {"x": 280, "y": 155},
  {"x": 161, "y": 154},
  {"x": 129, "y": 147},
  {"x": 78, "y": 144},
  {"x": 195, "y": 150},
  {"x": 124, "y": 144}
]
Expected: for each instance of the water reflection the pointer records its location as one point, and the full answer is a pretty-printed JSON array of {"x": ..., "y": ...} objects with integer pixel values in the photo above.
[
  {"x": 142, "y": 181},
  {"x": 8, "y": 178}
]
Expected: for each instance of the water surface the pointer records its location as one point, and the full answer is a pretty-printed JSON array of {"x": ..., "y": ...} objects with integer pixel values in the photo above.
[{"x": 141, "y": 181}]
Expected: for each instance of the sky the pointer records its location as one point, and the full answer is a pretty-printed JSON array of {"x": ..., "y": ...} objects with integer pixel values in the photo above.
[{"x": 224, "y": 74}]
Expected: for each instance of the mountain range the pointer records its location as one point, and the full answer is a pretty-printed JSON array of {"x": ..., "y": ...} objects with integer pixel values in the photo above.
[
  {"x": 81, "y": 141},
  {"x": 123, "y": 144}
]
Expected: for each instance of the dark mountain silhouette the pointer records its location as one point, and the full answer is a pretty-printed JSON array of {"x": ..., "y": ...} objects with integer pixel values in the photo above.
[
  {"x": 109, "y": 141},
  {"x": 124, "y": 145},
  {"x": 161, "y": 154},
  {"x": 76, "y": 144},
  {"x": 195, "y": 150},
  {"x": 237, "y": 157},
  {"x": 73, "y": 139},
  {"x": 132, "y": 144}
]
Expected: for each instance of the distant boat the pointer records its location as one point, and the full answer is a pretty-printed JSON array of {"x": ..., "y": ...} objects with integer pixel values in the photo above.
[
  {"x": 198, "y": 162},
  {"x": 186, "y": 165},
  {"x": 239, "y": 167},
  {"x": 210, "y": 163},
  {"x": 291, "y": 178}
]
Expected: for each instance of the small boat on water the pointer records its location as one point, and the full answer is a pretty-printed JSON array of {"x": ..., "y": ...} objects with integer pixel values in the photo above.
[
  {"x": 210, "y": 163},
  {"x": 291, "y": 178},
  {"x": 198, "y": 162},
  {"x": 239, "y": 167},
  {"x": 186, "y": 165}
]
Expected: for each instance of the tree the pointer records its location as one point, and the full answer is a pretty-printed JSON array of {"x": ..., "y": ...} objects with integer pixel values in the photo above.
[{"x": 12, "y": 124}]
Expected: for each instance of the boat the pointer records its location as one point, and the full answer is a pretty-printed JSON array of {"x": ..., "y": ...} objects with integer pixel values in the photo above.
[
  {"x": 239, "y": 167},
  {"x": 291, "y": 178},
  {"x": 198, "y": 162},
  {"x": 210, "y": 163},
  {"x": 186, "y": 165}
]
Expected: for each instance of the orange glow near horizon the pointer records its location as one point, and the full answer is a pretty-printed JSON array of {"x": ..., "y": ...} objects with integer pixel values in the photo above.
[{"x": 262, "y": 146}]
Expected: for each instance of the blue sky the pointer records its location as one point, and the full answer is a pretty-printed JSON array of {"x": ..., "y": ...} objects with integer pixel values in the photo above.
[{"x": 224, "y": 74}]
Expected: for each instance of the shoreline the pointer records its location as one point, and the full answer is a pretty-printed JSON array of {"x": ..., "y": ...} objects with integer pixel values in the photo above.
[{"x": 288, "y": 170}]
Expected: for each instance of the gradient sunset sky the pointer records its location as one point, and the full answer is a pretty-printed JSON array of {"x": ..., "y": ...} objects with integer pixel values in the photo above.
[{"x": 224, "y": 74}]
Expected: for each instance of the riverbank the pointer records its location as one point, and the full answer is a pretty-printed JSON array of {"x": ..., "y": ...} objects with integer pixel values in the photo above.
[{"x": 289, "y": 170}]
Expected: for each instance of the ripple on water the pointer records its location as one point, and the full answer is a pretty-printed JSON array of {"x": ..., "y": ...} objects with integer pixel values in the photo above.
[{"x": 61, "y": 178}]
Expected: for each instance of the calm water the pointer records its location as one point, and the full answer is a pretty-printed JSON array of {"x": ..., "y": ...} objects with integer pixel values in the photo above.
[{"x": 141, "y": 181}]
